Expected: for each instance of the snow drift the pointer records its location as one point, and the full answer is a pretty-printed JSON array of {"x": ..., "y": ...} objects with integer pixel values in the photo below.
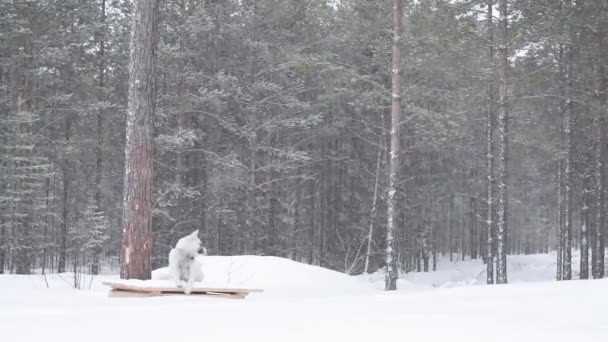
[{"x": 269, "y": 273}]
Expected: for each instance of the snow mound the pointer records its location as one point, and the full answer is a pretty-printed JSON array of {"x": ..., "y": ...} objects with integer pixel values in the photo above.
[
  {"x": 458, "y": 273},
  {"x": 268, "y": 273}
]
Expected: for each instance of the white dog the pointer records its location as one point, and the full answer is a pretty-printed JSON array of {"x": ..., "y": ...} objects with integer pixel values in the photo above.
[{"x": 183, "y": 265}]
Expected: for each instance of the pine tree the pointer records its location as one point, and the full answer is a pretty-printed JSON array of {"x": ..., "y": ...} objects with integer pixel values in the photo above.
[{"x": 137, "y": 203}]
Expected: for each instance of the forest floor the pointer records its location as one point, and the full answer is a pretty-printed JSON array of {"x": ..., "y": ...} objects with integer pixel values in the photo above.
[{"x": 307, "y": 303}]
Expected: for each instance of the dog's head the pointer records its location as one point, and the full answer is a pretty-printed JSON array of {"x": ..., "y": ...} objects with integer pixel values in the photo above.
[{"x": 191, "y": 244}]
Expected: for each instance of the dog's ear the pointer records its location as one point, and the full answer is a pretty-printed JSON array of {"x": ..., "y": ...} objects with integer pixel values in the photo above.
[{"x": 194, "y": 233}]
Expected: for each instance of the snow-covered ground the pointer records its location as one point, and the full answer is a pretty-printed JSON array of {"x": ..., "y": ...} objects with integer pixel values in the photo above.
[{"x": 307, "y": 303}]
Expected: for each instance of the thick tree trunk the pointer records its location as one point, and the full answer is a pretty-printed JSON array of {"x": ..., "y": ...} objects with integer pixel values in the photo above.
[
  {"x": 391, "y": 256},
  {"x": 137, "y": 199},
  {"x": 503, "y": 128}
]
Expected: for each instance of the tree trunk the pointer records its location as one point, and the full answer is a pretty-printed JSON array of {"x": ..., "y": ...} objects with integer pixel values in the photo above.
[
  {"x": 568, "y": 134},
  {"x": 24, "y": 109},
  {"x": 451, "y": 229},
  {"x": 372, "y": 216},
  {"x": 601, "y": 88},
  {"x": 251, "y": 241},
  {"x": 100, "y": 113},
  {"x": 63, "y": 238},
  {"x": 490, "y": 152},
  {"x": 391, "y": 255},
  {"x": 311, "y": 216},
  {"x": 425, "y": 246},
  {"x": 45, "y": 249},
  {"x": 473, "y": 238},
  {"x": 3, "y": 244},
  {"x": 137, "y": 199},
  {"x": 503, "y": 128},
  {"x": 434, "y": 247},
  {"x": 585, "y": 226},
  {"x": 567, "y": 232},
  {"x": 560, "y": 198},
  {"x": 181, "y": 116},
  {"x": 3, "y": 186}
]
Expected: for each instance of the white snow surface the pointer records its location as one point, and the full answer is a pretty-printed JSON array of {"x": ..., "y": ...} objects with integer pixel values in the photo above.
[{"x": 308, "y": 303}]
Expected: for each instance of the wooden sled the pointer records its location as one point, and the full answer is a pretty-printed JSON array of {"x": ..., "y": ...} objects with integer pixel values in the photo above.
[{"x": 127, "y": 290}]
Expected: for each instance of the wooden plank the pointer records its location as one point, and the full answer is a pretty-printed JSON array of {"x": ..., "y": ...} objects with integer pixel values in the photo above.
[
  {"x": 223, "y": 295},
  {"x": 121, "y": 293},
  {"x": 229, "y": 295},
  {"x": 129, "y": 294},
  {"x": 177, "y": 290}
]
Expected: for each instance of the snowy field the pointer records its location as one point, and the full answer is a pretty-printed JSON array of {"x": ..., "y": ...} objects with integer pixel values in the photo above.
[{"x": 307, "y": 303}]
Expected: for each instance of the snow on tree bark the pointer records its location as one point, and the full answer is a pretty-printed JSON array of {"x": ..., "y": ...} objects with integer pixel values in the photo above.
[
  {"x": 391, "y": 256},
  {"x": 139, "y": 156}
]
